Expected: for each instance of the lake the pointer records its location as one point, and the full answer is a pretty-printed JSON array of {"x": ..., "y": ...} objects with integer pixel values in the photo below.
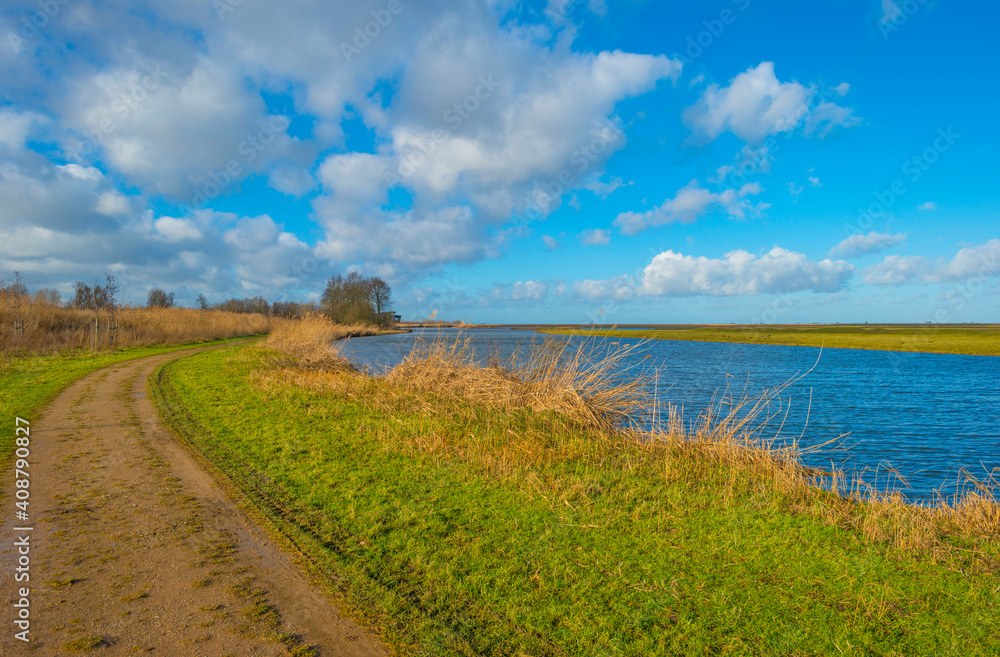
[{"x": 928, "y": 416}]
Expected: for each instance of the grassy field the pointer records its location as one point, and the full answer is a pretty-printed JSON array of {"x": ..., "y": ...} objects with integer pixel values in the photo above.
[
  {"x": 981, "y": 340},
  {"x": 477, "y": 528},
  {"x": 29, "y": 381}
]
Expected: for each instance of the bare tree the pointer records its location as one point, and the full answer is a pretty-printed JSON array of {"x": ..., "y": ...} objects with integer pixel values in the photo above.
[
  {"x": 159, "y": 299},
  {"x": 381, "y": 296},
  {"x": 48, "y": 296},
  {"x": 355, "y": 299}
]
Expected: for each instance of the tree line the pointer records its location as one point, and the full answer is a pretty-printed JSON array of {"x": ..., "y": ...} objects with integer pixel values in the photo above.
[{"x": 351, "y": 299}]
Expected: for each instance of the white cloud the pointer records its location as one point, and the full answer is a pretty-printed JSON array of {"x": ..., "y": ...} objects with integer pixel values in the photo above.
[
  {"x": 690, "y": 203},
  {"x": 897, "y": 270},
  {"x": 595, "y": 237},
  {"x": 177, "y": 230},
  {"x": 814, "y": 182},
  {"x": 859, "y": 245},
  {"x": 620, "y": 288},
  {"x": 174, "y": 129},
  {"x": 551, "y": 243},
  {"x": 15, "y": 127},
  {"x": 972, "y": 262},
  {"x": 540, "y": 130},
  {"x": 756, "y": 105},
  {"x": 90, "y": 174},
  {"x": 981, "y": 261},
  {"x": 529, "y": 290},
  {"x": 749, "y": 161},
  {"x": 930, "y": 206},
  {"x": 293, "y": 181},
  {"x": 741, "y": 272},
  {"x": 113, "y": 203}
]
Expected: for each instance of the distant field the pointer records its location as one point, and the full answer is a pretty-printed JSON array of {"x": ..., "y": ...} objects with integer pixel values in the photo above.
[{"x": 978, "y": 339}]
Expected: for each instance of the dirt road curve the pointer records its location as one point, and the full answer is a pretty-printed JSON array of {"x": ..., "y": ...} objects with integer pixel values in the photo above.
[{"x": 136, "y": 549}]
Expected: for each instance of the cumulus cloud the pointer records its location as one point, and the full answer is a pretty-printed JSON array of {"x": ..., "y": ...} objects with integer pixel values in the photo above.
[
  {"x": 741, "y": 272},
  {"x": 171, "y": 107},
  {"x": 859, "y": 245},
  {"x": 756, "y": 105},
  {"x": 551, "y": 243},
  {"x": 595, "y": 237},
  {"x": 972, "y": 262},
  {"x": 15, "y": 127},
  {"x": 620, "y": 288},
  {"x": 690, "y": 203},
  {"x": 897, "y": 270},
  {"x": 929, "y": 206}
]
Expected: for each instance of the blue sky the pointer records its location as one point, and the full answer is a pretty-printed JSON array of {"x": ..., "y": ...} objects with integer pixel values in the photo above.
[{"x": 498, "y": 161}]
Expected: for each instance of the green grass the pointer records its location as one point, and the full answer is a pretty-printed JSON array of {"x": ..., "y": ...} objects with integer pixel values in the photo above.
[
  {"x": 980, "y": 340},
  {"x": 458, "y": 530},
  {"x": 29, "y": 381}
]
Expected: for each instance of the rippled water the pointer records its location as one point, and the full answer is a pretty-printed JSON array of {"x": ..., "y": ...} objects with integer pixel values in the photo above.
[{"x": 926, "y": 415}]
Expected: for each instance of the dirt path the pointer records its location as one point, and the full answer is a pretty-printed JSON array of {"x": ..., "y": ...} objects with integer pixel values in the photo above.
[{"x": 136, "y": 549}]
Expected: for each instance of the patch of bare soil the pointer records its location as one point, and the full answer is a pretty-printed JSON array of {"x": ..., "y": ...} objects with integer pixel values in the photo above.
[{"x": 136, "y": 550}]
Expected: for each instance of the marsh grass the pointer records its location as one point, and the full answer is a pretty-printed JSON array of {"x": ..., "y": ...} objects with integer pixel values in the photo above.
[
  {"x": 312, "y": 340},
  {"x": 547, "y": 375}
]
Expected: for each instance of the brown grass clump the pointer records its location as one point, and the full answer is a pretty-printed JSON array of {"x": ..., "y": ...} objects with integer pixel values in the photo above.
[
  {"x": 310, "y": 340},
  {"x": 49, "y": 327},
  {"x": 549, "y": 377}
]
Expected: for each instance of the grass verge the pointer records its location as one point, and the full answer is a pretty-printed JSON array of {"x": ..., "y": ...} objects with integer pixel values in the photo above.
[
  {"x": 31, "y": 380},
  {"x": 461, "y": 528},
  {"x": 980, "y": 340}
]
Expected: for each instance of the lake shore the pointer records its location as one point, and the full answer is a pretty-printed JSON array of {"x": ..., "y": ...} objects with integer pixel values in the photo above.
[
  {"x": 463, "y": 522},
  {"x": 968, "y": 339}
]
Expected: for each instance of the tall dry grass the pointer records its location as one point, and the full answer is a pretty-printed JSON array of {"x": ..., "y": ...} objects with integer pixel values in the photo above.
[
  {"x": 310, "y": 340},
  {"x": 733, "y": 445},
  {"x": 48, "y": 327},
  {"x": 546, "y": 376}
]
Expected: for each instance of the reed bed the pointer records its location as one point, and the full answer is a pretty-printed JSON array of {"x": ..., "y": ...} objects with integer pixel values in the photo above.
[
  {"x": 547, "y": 376},
  {"x": 311, "y": 340},
  {"x": 47, "y": 327}
]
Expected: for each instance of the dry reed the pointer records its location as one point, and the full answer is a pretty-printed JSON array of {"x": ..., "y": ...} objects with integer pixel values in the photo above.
[
  {"x": 48, "y": 327},
  {"x": 310, "y": 340},
  {"x": 550, "y": 376}
]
